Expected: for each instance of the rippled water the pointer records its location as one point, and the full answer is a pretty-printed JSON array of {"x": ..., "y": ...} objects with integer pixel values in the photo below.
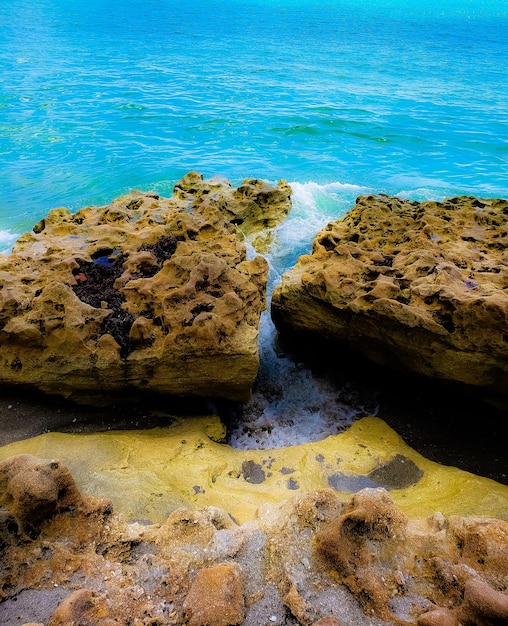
[
  {"x": 100, "y": 97},
  {"x": 338, "y": 97}
]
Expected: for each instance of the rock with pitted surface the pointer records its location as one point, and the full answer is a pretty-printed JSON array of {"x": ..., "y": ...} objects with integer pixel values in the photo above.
[
  {"x": 33, "y": 491},
  {"x": 145, "y": 294},
  {"x": 420, "y": 287},
  {"x": 315, "y": 559}
]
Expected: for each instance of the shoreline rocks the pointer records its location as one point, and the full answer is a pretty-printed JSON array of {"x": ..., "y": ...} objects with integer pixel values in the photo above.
[
  {"x": 145, "y": 294},
  {"x": 418, "y": 287},
  {"x": 322, "y": 557},
  {"x": 316, "y": 558},
  {"x": 160, "y": 296}
]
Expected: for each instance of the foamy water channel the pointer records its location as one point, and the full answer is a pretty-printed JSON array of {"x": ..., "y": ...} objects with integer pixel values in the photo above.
[{"x": 290, "y": 403}]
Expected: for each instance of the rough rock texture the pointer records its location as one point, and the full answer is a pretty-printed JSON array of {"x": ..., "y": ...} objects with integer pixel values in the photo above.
[
  {"x": 32, "y": 490},
  {"x": 416, "y": 286},
  {"x": 144, "y": 294},
  {"x": 216, "y": 597},
  {"x": 316, "y": 559}
]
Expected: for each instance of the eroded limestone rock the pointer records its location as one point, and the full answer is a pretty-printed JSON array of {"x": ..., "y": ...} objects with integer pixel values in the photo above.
[
  {"x": 317, "y": 558},
  {"x": 381, "y": 556},
  {"x": 145, "y": 294},
  {"x": 416, "y": 286},
  {"x": 216, "y": 596},
  {"x": 33, "y": 490}
]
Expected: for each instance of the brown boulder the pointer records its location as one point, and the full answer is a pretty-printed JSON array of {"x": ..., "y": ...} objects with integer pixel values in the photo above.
[
  {"x": 216, "y": 597},
  {"x": 381, "y": 555},
  {"x": 254, "y": 206},
  {"x": 33, "y": 490},
  {"x": 145, "y": 294},
  {"x": 420, "y": 287}
]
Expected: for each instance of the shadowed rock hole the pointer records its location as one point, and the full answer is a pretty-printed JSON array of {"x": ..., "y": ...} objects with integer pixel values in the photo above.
[{"x": 446, "y": 321}]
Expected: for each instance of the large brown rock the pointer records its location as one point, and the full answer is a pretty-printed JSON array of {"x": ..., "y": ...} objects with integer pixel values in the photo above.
[
  {"x": 146, "y": 293},
  {"x": 416, "y": 286}
]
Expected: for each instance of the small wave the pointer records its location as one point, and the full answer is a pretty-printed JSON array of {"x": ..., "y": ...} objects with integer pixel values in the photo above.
[
  {"x": 317, "y": 203},
  {"x": 422, "y": 194},
  {"x": 313, "y": 206},
  {"x": 301, "y": 130},
  {"x": 7, "y": 239}
]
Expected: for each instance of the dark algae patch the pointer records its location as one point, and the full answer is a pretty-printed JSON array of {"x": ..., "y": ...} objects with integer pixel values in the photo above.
[
  {"x": 397, "y": 473},
  {"x": 96, "y": 280},
  {"x": 253, "y": 472},
  {"x": 350, "y": 484},
  {"x": 163, "y": 249},
  {"x": 95, "y": 286},
  {"x": 292, "y": 484}
]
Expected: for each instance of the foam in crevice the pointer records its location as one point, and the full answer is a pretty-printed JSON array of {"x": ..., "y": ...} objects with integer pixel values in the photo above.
[{"x": 290, "y": 403}]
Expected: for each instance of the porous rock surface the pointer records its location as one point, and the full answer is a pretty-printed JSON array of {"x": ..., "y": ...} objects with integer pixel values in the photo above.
[
  {"x": 146, "y": 293},
  {"x": 316, "y": 559},
  {"x": 416, "y": 286}
]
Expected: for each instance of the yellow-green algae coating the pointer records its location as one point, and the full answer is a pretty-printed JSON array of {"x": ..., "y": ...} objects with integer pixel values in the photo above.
[{"x": 149, "y": 473}]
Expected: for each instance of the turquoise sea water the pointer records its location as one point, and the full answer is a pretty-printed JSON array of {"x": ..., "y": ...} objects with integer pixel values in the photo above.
[
  {"x": 101, "y": 96},
  {"x": 338, "y": 97}
]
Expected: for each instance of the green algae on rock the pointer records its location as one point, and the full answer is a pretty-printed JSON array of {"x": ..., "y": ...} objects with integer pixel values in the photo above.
[{"x": 148, "y": 474}]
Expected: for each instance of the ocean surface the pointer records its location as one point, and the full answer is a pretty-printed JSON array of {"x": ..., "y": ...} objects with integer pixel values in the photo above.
[{"x": 338, "y": 97}]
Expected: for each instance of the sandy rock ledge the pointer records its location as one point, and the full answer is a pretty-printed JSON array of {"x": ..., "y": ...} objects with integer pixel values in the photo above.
[
  {"x": 313, "y": 560},
  {"x": 419, "y": 287}
]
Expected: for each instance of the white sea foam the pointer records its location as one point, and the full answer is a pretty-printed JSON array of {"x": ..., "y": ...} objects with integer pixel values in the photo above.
[
  {"x": 324, "y": 200},
  {"x": 290, "y": 404},
  {"x": 7, "y": 238},
  {"x": 313, "y": 206}
]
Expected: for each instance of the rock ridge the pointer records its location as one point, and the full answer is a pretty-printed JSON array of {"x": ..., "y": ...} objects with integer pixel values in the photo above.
[{"x": 313, "y": 560}]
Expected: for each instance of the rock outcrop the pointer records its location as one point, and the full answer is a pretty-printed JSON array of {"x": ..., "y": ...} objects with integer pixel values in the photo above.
[
  {"x": 420, "y": 287},
  {"x": 316, "y": 559},
  {"x": 145, "y": 294}
]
